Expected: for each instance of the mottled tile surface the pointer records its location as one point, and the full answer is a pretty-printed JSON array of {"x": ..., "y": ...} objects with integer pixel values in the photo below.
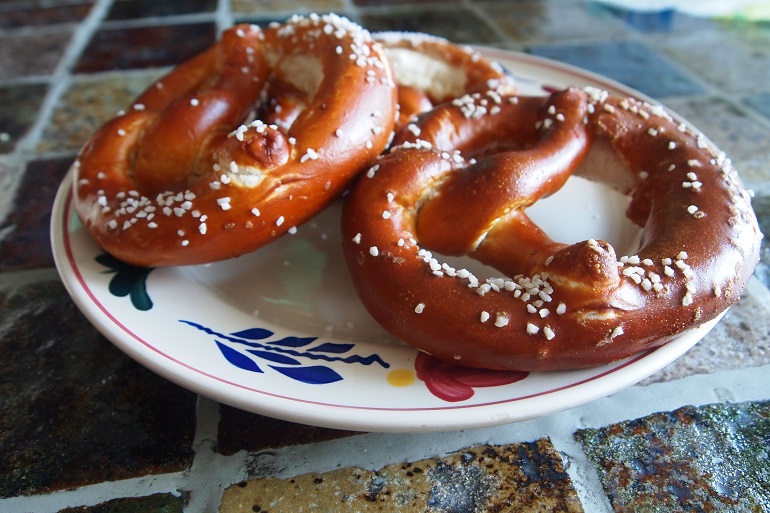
[
  {"x": 705, "y": 458},
  {"x": 76, "y": 410},
  {"x": 629, "y": 62},
  {"x": 47, "y": 47},
  {"x": 761, "y": 206},
  {"x": 145, "y": 47},
  {"x": 158, "y": 503},
  {"x": 86, "y": 104},
  {"x": 132, "y": 9},
  {"x": 240, "y": 430},
  {"x": 554, "y": 20},
  {"x": 459, "y": 25},
  {"x": 260, "y": 7},
  {"x": 38, "y": 14},
  {"x": 21, "y": 104},
  {"x": 524, "y": 477},
  {"x": 24, "y": 233}
]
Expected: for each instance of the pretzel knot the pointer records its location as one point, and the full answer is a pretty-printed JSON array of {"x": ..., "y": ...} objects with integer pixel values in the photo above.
[
  {"x": 238, "y": 145},
  {"x": 458, "y": 182}
]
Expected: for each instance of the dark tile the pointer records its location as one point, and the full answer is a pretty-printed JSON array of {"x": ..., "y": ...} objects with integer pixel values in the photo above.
[
  {"x": 269, "y": 8},
  {"x": 132, "y": 9},
  {"x": 241, "y": 430},
  {"x": 25, "y": 243},
  {"x": 554, "y": 20},
  {"x": 523, "y": 477},
  {"x": 88, "y": 102},
  {"x": 704, "y": 458},
  {"x": 628, "y": 62},
  {"x": 74, "y": 410},
  {"x": 41, "y": 14},
  {"x": 158, "y": 503},
  {"x": 47, "y": 47},
  {"x": 20, "y": 108},
  {"x": 760, "y": 102},
  {"x": 459, "y": 25},
  {"x": 761, "y": 206},
  {"x": 661, "y": 21},
  {"x": 145, "y": 47},
  {"x": 735, "y": 60}
]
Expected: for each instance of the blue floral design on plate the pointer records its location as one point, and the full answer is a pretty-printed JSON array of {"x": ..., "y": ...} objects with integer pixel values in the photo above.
[
  {"x": 248, "y": 349},
  {"x": 128, "y": 280}
]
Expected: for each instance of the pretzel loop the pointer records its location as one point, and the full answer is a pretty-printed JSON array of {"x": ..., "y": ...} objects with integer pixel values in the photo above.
[{"x": 462, "y": 186}]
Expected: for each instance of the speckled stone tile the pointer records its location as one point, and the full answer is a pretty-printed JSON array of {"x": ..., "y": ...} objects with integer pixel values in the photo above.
[
  {"x": 47, "y": 46},
  {"x": 663, "y": 21},
  {"x": 40, "y": 14},
  {"x": 704, "y": 458},
  {"x": 268, "y": 7},
  {"x": 739, "y": 340},
  {"x": 24, "y": 233},
  {"x": 88, "y": 103},
  {"x": 761, "y": 204},
  {"x": 458, "y": 25},
  {"x": 132, "y": 9},
  {"x": 760, "y": 103},
  {"x": 735, "y": 61},
  {"x": 741, "y": 136},
  {"x": 158, "y": 503},
  {"x": 241, "y": 430},
  {"x": 523, "y": 477},
  {"x": 21, "y": 104},
  {"x": 73, "y": 409},
  {"x": 554, "y": 20},
  {"x": 145, "y": 47},
  {"x": 631, "y": 63}
]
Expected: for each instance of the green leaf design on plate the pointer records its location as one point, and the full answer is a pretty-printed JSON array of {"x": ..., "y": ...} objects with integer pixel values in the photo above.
[{"x": 128, "y": 280}]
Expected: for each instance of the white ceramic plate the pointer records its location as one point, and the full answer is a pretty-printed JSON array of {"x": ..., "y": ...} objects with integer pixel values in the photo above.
[{"x": 281, "y": 332}]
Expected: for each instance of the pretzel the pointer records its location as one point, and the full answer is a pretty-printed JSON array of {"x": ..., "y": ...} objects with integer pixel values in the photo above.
[
  {"x": 186, "y": 176},
  {"x": 430, "y": 70},
  {"x": 462, "y": 188}
]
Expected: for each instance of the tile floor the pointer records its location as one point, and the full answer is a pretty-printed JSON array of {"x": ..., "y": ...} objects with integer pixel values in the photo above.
[{"x": 83, "y": 428}]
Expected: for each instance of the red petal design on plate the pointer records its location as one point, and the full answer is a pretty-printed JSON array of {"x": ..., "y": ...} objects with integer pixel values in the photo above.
[{"x": 454, "y": 383}]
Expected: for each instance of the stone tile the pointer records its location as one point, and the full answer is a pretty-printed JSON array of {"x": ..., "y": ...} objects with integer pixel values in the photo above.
[
  {"x": 741, "y": 136},
  {"x": 523, "y": 477},
  {"x": 459, "y": 25},
  {"x": 734, "y": 61},
  {"x": 47, "y": 47},
  {"x": 132, "y": 9},
  {"x": 760, "y": 103},
  {"x": 761, "y": 204},
  {"x": 268, "y": 7},
  {"x": 24, "y": 233},
  {"x": 40, "y": 14},
  {"x": 554, "y": 20},
  {"x": 740, "y": 340},
  {"x": 241, "y": 430},
  {"x": 696, "y": 458},
  {"x": 145, "y": 47},
  {"x": 86, "y": 105},
  {"x": 158, "y": 503},
  {"x": 663, "y": 21},
  {"x": 73, "y": 409},
  {"x": 21, "y": 104},
  {"x": 629, "y": 62}
]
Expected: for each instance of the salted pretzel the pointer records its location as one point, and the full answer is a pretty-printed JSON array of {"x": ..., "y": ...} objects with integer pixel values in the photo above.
[
  {"x": 430, "y": 70},
  {"x": 462, "y": 188},
  {"x": 187, "y": 175}
]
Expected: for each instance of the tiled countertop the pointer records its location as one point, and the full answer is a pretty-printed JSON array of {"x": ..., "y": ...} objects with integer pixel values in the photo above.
[{"x": 85, "y": 428}]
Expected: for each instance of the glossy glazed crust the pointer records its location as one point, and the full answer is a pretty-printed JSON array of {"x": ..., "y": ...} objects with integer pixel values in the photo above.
[
  {"x": 556, "y": 306},
  {"x": 185, "y": 176}
]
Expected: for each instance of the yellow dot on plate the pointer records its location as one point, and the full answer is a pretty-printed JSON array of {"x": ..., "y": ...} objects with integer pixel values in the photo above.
[{"x": 401, "y": 377}]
